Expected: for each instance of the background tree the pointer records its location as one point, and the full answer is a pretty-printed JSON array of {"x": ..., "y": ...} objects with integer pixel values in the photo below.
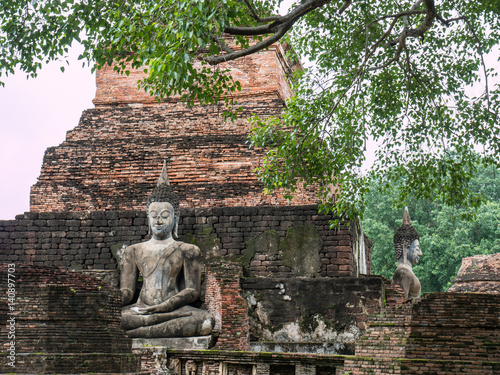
[
  {"x": 391, "y": 71},
  {"x": 445, "y": 238}
]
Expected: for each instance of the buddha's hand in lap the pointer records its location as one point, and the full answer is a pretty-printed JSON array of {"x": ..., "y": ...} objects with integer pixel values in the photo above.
[
  {"x": 140, "y": 310},
  {"x": 148, "y": 310},
  {"x": 145, "y": 311}
]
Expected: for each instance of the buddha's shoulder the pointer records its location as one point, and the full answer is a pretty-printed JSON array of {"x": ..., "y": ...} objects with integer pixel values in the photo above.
[
  {"x": 403, "y": 269},
  {"x": 189, "y": 250},
  {"x": 186, "y": 249},
  {"x": 134, "y": 248}
]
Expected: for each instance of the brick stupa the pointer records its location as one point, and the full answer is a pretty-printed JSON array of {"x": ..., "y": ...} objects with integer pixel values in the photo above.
[
  {"x": 111, "y": 160},
  {"x": 478, "y": 274}
]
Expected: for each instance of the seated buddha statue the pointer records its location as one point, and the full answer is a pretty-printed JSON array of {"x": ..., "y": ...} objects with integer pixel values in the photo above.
[{"x": 171, "y": 273}]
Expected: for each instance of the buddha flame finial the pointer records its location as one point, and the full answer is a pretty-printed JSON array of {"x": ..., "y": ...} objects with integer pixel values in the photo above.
[
  {"x": 406, "y": 216},
  {"x": 163, "y": 192},
  {"x": 163, "y": 179}
]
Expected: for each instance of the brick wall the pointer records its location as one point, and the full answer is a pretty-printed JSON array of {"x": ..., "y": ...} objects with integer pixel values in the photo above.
[
  {"x": 65, "y": 322},
  {"x": 223, "y": 299},
  {"x": 444, "y": 367},
  {"x": 259, "y": 74},
  {"x": 112, "y": 160},
  {"x": 387, "y": 335},
  {"x": 467, "y": 324},
  {"x": 88, "y": 239},
  {"x": 442, "y": 333}
]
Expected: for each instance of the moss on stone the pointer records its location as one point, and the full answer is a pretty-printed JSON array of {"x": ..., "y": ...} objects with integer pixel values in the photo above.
[
  {"x": 208, "y": 243},
  {"x": 300, "y": 250},
  {"x": 190, "y": 238},
  {"x": 116, "y": 251},
  {"x": 266, "y": 243},
  {"x": 309, "y": 324}
]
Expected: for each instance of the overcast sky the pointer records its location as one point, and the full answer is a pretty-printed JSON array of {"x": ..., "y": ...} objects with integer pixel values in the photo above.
[{"x": 34, "y": 115}]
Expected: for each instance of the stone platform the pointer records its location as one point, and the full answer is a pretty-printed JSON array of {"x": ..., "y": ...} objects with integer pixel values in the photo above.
[
  {"x": 199, "y": 343},
  {"x": 334, "y": 348},
  {"x": 153, "y": 352}
]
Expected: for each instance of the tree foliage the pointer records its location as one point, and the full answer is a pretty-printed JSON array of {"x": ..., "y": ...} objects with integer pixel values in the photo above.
[
  {"x": 392, "y": 71},
  {"x": 444, "y": 237}
]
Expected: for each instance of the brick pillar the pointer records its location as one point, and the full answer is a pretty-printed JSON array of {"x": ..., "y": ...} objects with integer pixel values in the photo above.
[
  {"x": 230, "y": 309},
  {"x": 261, "y": 369}
]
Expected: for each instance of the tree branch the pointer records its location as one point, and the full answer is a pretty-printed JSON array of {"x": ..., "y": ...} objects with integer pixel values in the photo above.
[
  {"x": 413, "y": 7},
  {"x": 430, "y": 15},
  {"x": 256, "y": 16},
  {"x": 277, "y": 28},
  {"x": 214, "y": 60},
  {"x": 377, "y": 43},
  {"x": 396, "y": 16},
  {"x": 389, "y": 62},
  {"x": 221, "y": 44},
  {"x": 250, "y": 31},
  {"x": 408, "y": 82},
  {"x": 293, "y": 16},
  {"x": 344, "y": 7},
  {"x": 480, "y": 51},
  {"x": 422, "y": 84}
]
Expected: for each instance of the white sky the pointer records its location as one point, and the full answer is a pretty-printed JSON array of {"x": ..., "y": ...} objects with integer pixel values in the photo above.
[{"x": 34, "y": 115}]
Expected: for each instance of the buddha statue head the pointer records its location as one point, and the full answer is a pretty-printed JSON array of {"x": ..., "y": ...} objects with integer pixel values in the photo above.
[
  {"x": 162, "y": 208},
  {"x": 406, "y": 242}
]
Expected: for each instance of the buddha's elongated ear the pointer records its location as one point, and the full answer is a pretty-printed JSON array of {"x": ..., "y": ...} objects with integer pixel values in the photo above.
[
  {"x": 176, "y": 225},
  {"x": 406, "y": 247}
]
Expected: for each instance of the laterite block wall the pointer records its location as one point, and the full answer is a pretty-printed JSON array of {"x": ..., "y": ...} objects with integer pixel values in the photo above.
[{"x": 88, "y": 239}]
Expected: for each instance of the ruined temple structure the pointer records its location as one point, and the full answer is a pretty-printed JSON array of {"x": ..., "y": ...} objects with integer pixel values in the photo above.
[
  {"x": 98, "y": 179},
  {"x": 90, "y": 198},
  {"x": 478, "y": 274},
  {"x": 289, "y": 295}
]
